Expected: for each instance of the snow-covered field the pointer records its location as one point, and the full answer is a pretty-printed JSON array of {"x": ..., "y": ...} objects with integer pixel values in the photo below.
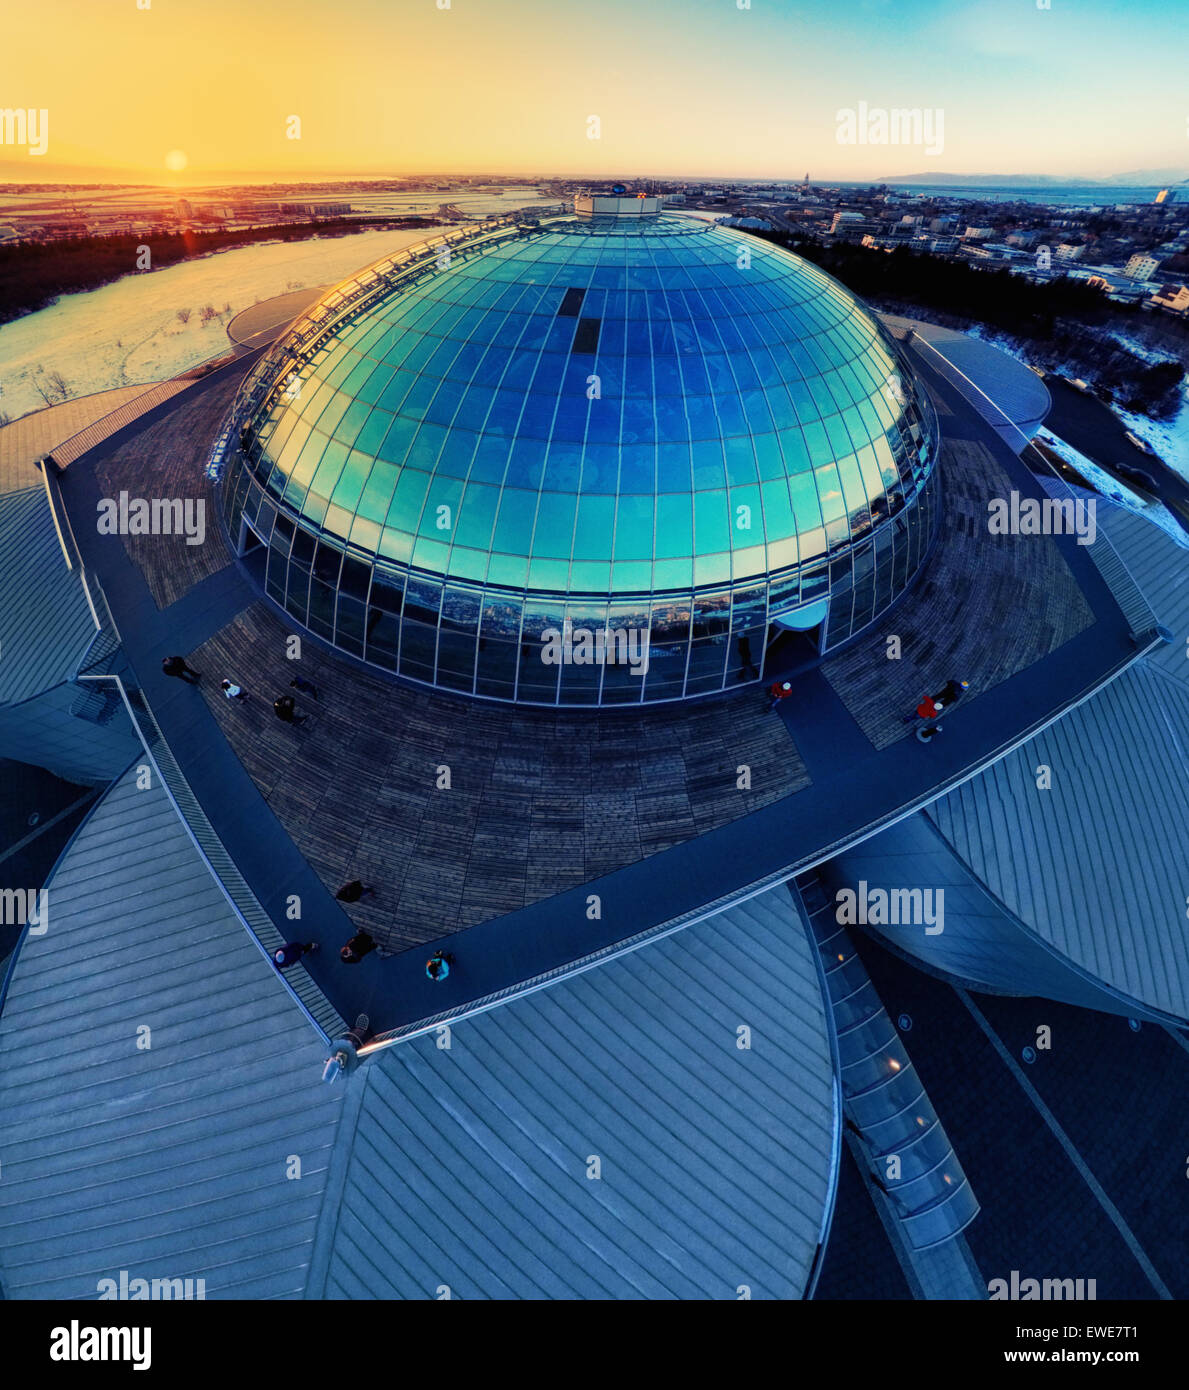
[
  {"x": 1169, "y": 439},
  {"x": 1111, "y": 488},
  {"x": 129, "y": 332}
]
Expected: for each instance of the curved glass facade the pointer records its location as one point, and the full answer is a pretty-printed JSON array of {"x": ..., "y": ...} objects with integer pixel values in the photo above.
[{"x": 637, "y": 424}]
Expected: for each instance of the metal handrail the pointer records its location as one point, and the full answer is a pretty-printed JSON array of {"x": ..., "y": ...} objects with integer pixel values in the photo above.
[
  {"x": 315, "y": 1007},
  {"x": 309, "y": 330},
  {"x": 262, "y": 931}
]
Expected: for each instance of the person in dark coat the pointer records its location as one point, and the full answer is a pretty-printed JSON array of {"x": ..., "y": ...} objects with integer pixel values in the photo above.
[
  {"x": 351, "y": 892},
  {"x": 358, "y": 947},
  {"x": 176, "y": 666},
  {"x": 951, "y": 691},
  {"x": 284, "y": 708}
]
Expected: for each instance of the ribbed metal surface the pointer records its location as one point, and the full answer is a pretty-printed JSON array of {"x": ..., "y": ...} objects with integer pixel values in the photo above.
[
  {"x": 469, "y": 1165},
  {"x": 45, "y": 622},
  {"x": 1104, "y": 882},
  {"x": 169, "y": 1162},
  {"x": 983, "y": 944},
  {"x": 1161, "y": 569},
  {"x": 1097, "y": 864}
]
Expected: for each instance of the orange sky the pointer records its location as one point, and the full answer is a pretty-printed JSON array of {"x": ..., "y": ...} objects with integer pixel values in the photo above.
[{"x": 680, "y": 86}]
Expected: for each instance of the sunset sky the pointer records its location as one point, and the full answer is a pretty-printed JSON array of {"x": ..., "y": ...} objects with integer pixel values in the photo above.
[{"x": 693, "y": 87}]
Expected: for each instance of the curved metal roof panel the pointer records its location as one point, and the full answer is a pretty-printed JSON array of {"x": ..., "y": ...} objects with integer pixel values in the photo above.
[
  {"x": 1097, "y": 863},
  {"x": 46, "y": 624},
  {"x": 471, "y": 1166},
  {"x": 168, "y": 1161}
]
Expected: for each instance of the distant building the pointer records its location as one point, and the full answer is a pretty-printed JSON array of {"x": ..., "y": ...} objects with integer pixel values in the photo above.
[
  {"x": 1141, "y": 266},
  {"x": 978, "y": 233},
  {"x": 1166, "y": 195},
  {"x": 1174, "y": 299},
  {"x": 316, "y": 209},
  {"x": 1068, "y": 252},
  {"x": 844, "y": 219}
]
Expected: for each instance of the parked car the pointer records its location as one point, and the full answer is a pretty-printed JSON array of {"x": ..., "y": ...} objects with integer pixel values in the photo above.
[{"x": 1136, "y": 442}]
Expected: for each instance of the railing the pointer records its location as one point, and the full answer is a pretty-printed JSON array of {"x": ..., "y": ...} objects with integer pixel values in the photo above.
[
  {"x": 1109, "y": 563},
  {"x": 575, "y": 967},
  {"x": 310, "y": 330},
  {"x": 317, "y": 1009}
]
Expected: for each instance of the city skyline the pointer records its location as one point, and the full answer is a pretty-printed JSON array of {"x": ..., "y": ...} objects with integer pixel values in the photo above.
[{"x": 468, "y": 84}]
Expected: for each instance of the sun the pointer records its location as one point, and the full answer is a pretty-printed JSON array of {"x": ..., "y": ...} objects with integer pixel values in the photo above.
[{"x": 176, "y": 161}]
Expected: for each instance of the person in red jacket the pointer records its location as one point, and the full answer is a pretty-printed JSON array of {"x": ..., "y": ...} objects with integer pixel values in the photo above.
[{"x": 779, "y": 690}]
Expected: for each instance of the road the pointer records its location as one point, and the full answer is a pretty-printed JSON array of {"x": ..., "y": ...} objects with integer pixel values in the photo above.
[{"x": 1083, "y": 421}]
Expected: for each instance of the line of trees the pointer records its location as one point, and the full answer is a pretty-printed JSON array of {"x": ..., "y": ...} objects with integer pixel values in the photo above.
[
  {"x": 34, "y": 274},
  {"x": 1061, "y": 320}
]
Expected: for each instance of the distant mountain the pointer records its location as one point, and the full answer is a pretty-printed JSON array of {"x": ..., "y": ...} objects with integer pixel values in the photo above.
[
  {"x": 1137, "y": 178},
  {"x": 1133, "y": 178},
  {"x": 984, "y": 180}
]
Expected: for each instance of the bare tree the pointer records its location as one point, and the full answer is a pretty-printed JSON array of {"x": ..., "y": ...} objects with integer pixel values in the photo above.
[
  {"x": 207, "y": 313},
  {"x": 52, "y": 387},
  {"x": 184, "y": 315}
]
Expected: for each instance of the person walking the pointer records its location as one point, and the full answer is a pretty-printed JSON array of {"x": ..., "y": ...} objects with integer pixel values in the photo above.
[
  {"x": 952, "y": 690},
  {"x": 284, "y": 708},
  {"x": 233, "y": 691},
  {"x": 358, "y": 947},
  {"x": 291, "y": 952},
  {"x": 779, "y": 690},
  {"x": 928, "y": 732},
  {"x": 437, "y": 967},
  {"x": 304, "y": 687},
  {"x": 176, "y": 666},
  {"x": 351, "y": 892}
]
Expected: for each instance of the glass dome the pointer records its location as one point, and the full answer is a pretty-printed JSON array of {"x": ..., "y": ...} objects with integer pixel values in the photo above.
[{"x": 641, "y": 422}]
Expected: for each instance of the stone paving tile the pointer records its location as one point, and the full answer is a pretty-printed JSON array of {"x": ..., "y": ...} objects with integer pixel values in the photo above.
[
  {"x": 1018, "y": 603},
  {"x": 168, "y": 460},
  {"x": 540, "y": 801},
  {"x": 26, "y": 439}
]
